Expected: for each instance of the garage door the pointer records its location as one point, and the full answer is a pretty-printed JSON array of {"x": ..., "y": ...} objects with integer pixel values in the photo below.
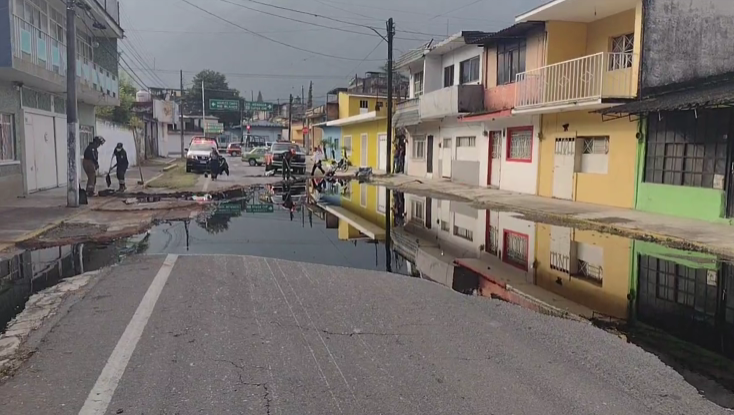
[{"x": 40, "y": 138}]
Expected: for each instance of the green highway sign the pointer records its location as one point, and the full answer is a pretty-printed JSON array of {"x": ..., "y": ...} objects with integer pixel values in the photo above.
[
  {"x": 213, "y": 128},
  {"x": 232, "y": 208},
  {"x": 224, "y": 105},
  {"x": 259, "y": 208},
  {"x": 258, "y": 106}
]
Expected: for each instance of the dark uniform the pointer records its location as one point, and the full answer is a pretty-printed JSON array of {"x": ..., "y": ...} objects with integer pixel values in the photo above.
[
  {"x": 287, "y": 159},
  {"x": 90, "y": 164},
  {"x": 214, "y": 165},
  {"x": 122, "y": 164}
]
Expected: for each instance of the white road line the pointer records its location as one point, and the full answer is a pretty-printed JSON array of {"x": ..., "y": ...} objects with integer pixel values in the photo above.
[{"x": 101, "y": 394}]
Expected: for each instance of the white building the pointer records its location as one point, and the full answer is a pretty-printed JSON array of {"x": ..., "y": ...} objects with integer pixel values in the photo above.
[{"x": 445, "y": 84}]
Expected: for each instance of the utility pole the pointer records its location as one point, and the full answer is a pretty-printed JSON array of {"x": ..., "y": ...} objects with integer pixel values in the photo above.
[
  {"x": 72, "y": 126},
  {"x": 242, "y": 119},
  {"x": 390, "y": 215},
  {"x": 180, "y": 116},
  {"x": 290, "y": 118}
]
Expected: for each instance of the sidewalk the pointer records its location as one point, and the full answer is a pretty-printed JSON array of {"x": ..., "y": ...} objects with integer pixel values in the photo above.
[
  {"x": 687, "y": 234},
  {"x": 27, "y": 217}
]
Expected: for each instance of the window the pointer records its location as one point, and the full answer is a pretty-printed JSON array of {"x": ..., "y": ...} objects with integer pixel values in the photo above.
[
  {"x": 363, "y": 194},
  {"x": 364, "y": 104},
  {"x": 447, "y": 142},
  {"x": 419, "y": 148},
  {"x": 510, "y": 61},
  {"x": 687, "y": 148},
  {"x": 496, "y": 143},
  {"x": 348, "y": 145},
  {"x": 445, "y": 226},
  {"x": 7, "y": 138},
  {"x": 466, "y": 141},
  {"x": 520, "y": 144},
  {"x": 417, "y": 210},
  {"x": 516, "y": 250},
  {"x": 594, "y": 155},
  {"x": 469, "y": 70},
  {"x": 86, "y": 133},
  {"x": 463, "y": 233},
  {"x": 58, "y": 25},
  {"x": 418, "y": 84},
  {"x": 448, "y": 76},
  {"x": 673, "y": 283},
  {"x": 84, "y": 46},
  {"x": 622, "y": 48}
]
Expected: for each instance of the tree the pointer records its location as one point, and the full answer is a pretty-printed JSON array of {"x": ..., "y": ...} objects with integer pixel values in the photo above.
[
  {"x": 259, "y": 96},
  {"x": 310, "y": 95},
  {"x": 122, "y": 114},
  {"x": 215, "y": 87}
]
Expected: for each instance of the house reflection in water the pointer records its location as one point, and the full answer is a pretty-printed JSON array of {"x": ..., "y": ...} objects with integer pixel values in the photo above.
[{"x": 360, "y": 210}]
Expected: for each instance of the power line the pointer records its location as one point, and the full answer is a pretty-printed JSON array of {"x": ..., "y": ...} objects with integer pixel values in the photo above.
[
  {"x": 230, "y": 32},
  {"x": 253, "y": 75},
  {"x": 411, "y": 12},
  {"x": 265, "y": 37},
  {"x": 132, "y": 46}
]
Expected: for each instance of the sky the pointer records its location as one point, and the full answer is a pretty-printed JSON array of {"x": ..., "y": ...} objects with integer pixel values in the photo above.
[{"x": 165, "y": 36}]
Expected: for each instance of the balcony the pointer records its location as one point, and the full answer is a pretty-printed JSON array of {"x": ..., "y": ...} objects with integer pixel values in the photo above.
[
  {"x": 499, "y": 98},
  {"x": 40, "y": 62},
  {"x": 452, "y": 101},
  {"x": 586, "y": 81},
  {"x": 407, "y": 113}
]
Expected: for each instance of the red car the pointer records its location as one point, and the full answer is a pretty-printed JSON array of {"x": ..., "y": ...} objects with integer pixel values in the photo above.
[{"x": 234, "y": 149}]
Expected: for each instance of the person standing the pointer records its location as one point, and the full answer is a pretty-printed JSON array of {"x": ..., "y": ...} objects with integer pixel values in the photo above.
[
  {"x": 122, "y": 163},
  {"x": 90, "y": 164},
  {"x": 287, "y": 158},
  {"x": 318, "y": 156},
  {"x": 214, "y": 165}
]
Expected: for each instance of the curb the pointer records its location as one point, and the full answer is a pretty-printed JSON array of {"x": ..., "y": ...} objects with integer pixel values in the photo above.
[{"x": 170, "y": 166}]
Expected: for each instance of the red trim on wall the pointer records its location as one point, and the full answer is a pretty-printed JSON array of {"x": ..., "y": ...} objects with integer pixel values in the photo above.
[
  {"x": 505, "y": 234},
  {"x": 509, "y": 144}
]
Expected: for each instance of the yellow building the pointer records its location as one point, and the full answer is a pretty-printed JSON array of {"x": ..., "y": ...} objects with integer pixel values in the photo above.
[
  {"x": 586, "y": 267},
  {"x": 363, "y": 123},
  {"x": 362, "y": 212},
  {"x": 592, "y": 58}
]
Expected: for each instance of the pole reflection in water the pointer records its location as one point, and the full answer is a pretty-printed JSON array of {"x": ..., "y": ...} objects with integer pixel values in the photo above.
[{"x": 388, "y": 239}]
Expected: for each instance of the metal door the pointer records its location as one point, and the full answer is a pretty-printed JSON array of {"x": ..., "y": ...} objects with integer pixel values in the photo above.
[
  {"x": 382, "y": 154},
  {"x": 429, "y": 152},
  {"x": 429, "y": 209},
  {"x": 564, "y": 159},
  {"x": 30, "y": 154},
  {"x": 495, "y": 158},
  {"x": 363, "y": 150},
  {"x": 446, "y": 156}
]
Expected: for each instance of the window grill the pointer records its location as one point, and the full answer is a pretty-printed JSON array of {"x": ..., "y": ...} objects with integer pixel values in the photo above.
[
  {"x": 7, "y": 138},
  {"x": 590, "y": 271},
  {"x": 496, "y": 144},
  {"x": 445, "y": 226},
  {"x": 560, "y": 262},
  {"x": 520, "y": 144},
  {"x": 516, "y": 249},
  {"x": 565, "y": 146},
  {"x": 463, "y": 233},
  {"x": 622, "y": 52},
  {"x": 492, "y": 240},
  {"x": 596, "y": 145}
]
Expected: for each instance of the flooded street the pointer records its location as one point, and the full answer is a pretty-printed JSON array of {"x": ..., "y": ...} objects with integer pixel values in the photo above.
[{"x": 235, "y": 295}]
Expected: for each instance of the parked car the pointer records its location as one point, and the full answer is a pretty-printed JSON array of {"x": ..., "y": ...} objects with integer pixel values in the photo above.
[
  {"x": 234, "y": 149},
  {"x": 256, "y": 156},
  {"x": 274, "y": 157},
  {"x": 198, "y": 154}
]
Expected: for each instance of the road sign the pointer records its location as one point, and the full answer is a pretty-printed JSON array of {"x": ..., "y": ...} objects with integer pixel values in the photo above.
[
  {"x": 224, "y": 105},
  {"x": 214, "y": 128},
  {"x": 259, "y": 208},
  {"x": 258, "y": 106}
]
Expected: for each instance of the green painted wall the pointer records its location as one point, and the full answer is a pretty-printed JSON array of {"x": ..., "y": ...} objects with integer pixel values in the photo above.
[
  {"x": 682, "y": 201},
  {"x": 685, "y": 258}
]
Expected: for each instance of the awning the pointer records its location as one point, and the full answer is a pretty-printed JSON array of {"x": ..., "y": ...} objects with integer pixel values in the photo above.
[
  {"x": 707, "y": 96},
  {"x": 408, "y": 118}
]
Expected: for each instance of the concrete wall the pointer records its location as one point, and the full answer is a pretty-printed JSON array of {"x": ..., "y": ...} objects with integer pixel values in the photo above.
[
  {"x": 469, "y": 164},
  {"x": 432, "y": 74},
  {"x": 459, "y": 55},
  {"x": 514, "y": 175},
  {"x": 610, "y": 296},
  {"x": 113, "y": 134},
  {"x": 685, "y": 40},
  {"x": 506, "y": 222},
  {"x": 617, "y": 187}
]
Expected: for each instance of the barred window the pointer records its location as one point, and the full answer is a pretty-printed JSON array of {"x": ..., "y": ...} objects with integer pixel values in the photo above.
[
  {"x": 622, "y": 49},
  {"x": 595, "y": 155},
  {"x": 516, "y": 250},
  {"x": 520, "y": 144},
  {"x": 419, "y": 148},
  {"x": 596, "y": 145},
  {"x": 560, "y": 262},
  {"x": 466, "y": 141},
  {"x": 7, "y": 138},
  {"x": 463, "y": 233},
  {"x": 687, "y": 148},
  {"x": 590, "y": 271},
  {"x": 86, "y": 133}
]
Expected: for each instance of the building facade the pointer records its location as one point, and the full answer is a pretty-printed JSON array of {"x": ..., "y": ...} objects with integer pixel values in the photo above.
[{"x": 33, "y": 151}]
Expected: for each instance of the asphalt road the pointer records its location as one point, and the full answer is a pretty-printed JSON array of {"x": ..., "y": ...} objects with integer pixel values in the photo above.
[
  {"x": 248, "y": 335},
  {"x": 240, "y": 173}
]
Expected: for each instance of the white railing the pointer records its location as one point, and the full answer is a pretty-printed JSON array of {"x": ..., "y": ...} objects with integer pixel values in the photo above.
[
  {"x": 35, "y": 46},
  {"x": 593, "y": 77}
]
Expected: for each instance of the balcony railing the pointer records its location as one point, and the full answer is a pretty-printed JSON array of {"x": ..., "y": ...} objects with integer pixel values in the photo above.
[
  {"x": 499, "y": 98},
  {"x": 37, "y": 47},
  {"x": 452, "y": 101},
  {"x": 593, "y": 77}
]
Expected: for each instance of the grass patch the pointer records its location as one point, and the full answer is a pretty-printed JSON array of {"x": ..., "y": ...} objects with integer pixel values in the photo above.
[{"x": 176, "y": 178}]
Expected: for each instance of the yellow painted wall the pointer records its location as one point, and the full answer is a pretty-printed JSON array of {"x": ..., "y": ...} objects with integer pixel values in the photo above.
[
  {"x": 617, "y": 187},
  {"x": 297, "y": 133},
  {"x": 638, "y": 48},
  {"x": 349, "y": 104},
  {"x": 354, "y": 204},
  {"x": 347, "y": 232},
  {"x": 611, "y": 297},
  {"x": 566, "y": 40},
  {"x": 599, "y": 33},
  {"x": 372, "y": 129}
]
